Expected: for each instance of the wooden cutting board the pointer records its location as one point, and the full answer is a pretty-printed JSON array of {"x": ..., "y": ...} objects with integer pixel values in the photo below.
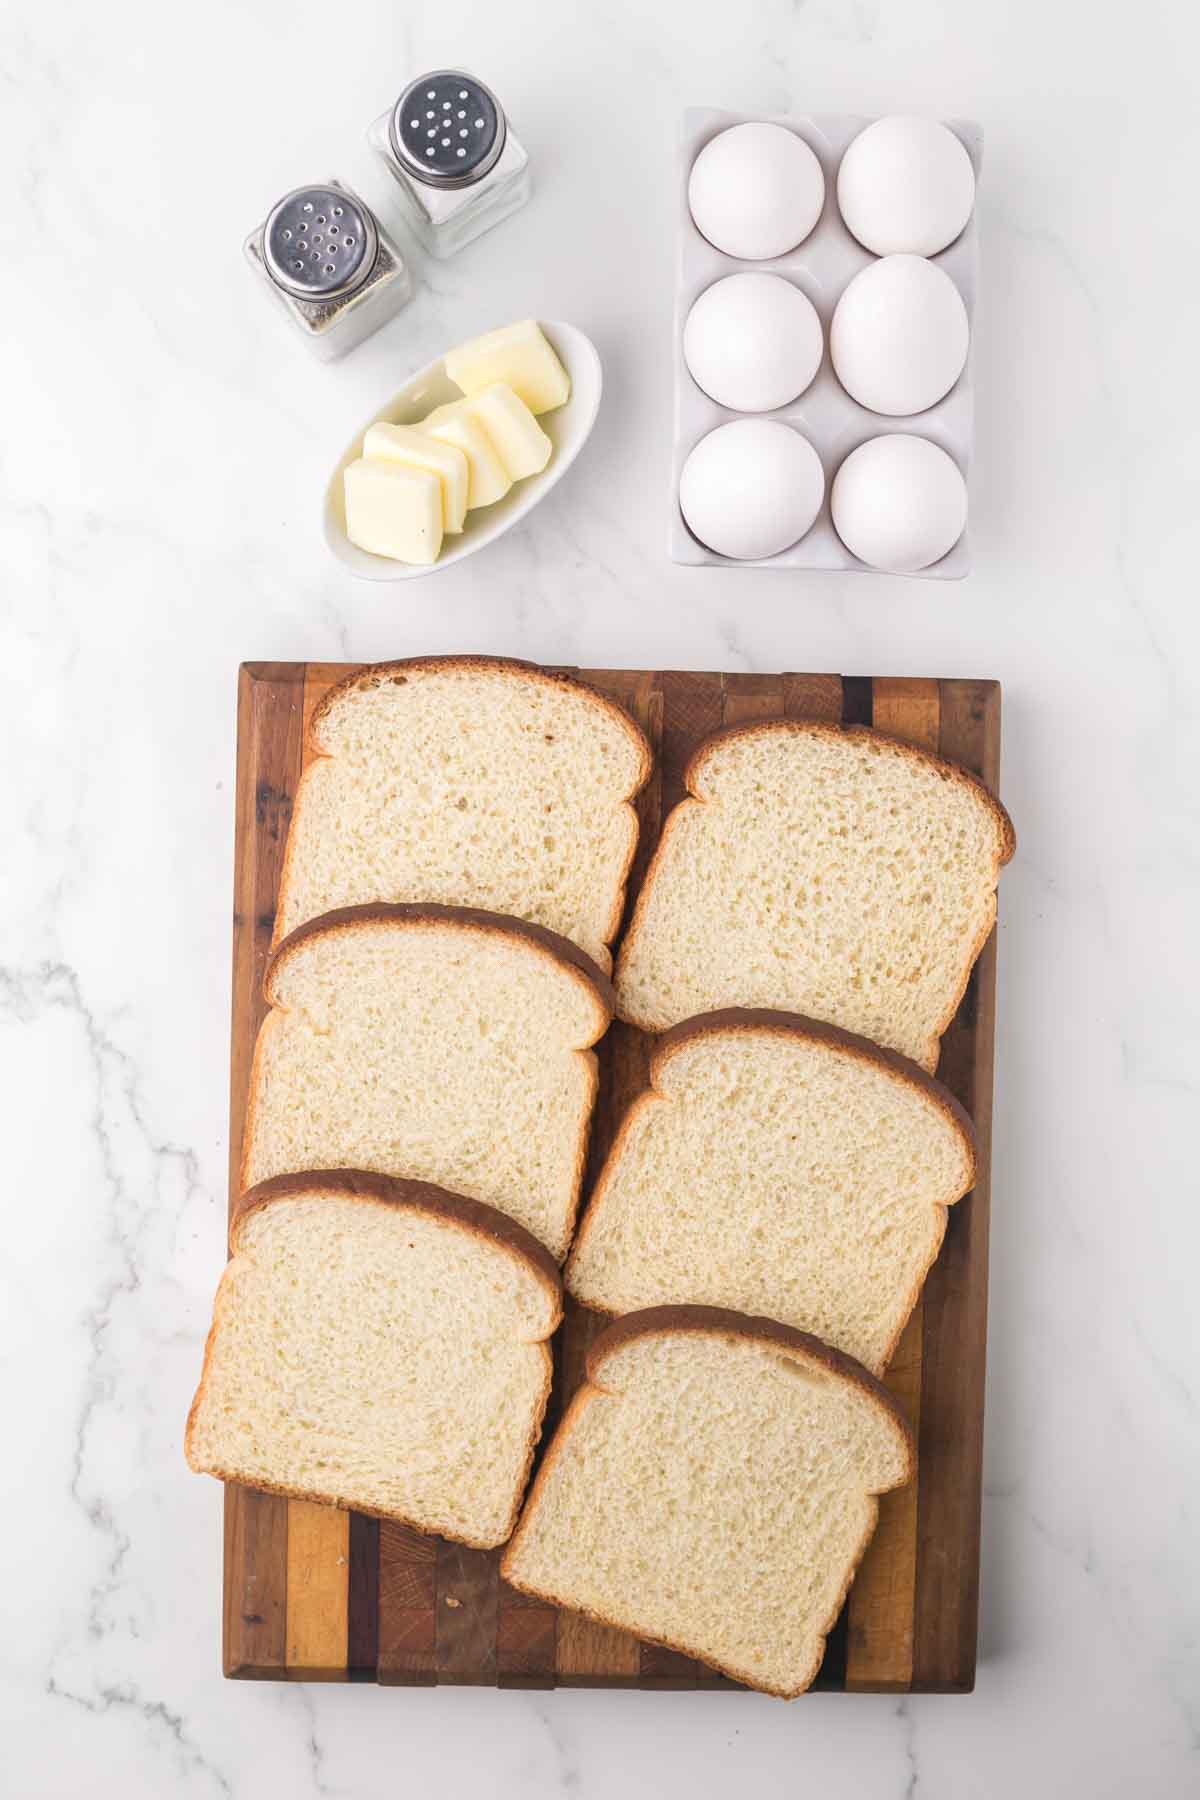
[{"x": 316, "y": 1594}]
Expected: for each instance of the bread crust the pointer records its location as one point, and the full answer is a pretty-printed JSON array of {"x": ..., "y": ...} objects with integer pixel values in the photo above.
[
  {"x": 766, "y": 1019},
  {"x": 1006, "y": 835},
  {"x": 363, "y": 1187},
  {"x": 417, "y": 913},
  {"x": 866, "y": 734},
  {"x": 403, "y": 1192},
  {"x": 373, "y": 674},
  {"x": 761, "y": 1020},
  {"x": 725, "y": 1321},
  {"x": 719, "y": 1322}
]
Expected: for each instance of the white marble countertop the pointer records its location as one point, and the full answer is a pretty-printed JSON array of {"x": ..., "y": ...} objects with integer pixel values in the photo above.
[{"x": 164, "y": 448}]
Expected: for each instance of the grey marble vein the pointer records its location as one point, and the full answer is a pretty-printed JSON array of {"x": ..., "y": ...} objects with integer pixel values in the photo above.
[{"x": 163, "y": 451}]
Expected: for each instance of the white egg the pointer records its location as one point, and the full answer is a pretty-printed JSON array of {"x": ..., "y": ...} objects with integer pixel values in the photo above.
[
  {"x": 906, "y": 185},
  {"x": 753, "y": 342},
  {"x": 899, "y": 335},
  {"x": 756, "y": 190},
  {"x": 899, "y": 503},
  {"x": 751, "y": 488}
]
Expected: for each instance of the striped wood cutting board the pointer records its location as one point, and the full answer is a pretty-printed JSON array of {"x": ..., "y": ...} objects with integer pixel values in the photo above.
[{"x": 316, "y": 1594}]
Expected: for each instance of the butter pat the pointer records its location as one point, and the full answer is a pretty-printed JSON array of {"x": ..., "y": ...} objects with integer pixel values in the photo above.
[
  {"x": 517, "y": 355},
  {"x": 523, "y": 446},
  {"x": 394, "y": 510},
  {"x": 488, "y": 479},
  {"x": 405, "y": 444}
]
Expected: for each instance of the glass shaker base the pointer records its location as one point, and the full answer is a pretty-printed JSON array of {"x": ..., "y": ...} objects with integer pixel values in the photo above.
[{"x": 444, "y": 221}]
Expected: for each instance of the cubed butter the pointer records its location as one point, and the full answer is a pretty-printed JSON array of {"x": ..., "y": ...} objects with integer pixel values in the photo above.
[
  {"x": 523, "y": 446},
  {"x": 405, "y": 444},
  {"x": 519, "y": 356},
  {"x": 394, "y": 510},
  {"x": 488, "y": 479}
]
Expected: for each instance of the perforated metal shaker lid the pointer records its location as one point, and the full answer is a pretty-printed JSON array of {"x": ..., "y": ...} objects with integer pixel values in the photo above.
[
  {"x": 447, "y": 129},
  {"x": 320, "y": 243}
]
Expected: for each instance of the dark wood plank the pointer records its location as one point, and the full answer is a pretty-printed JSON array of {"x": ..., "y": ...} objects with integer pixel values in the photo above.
[
  {"x": 407, "y": 1606},
  {"x": 955, "y": 1305},
  {"x": 638, "y": 691},
  {"x": 254, "y": 1612},
  {"x": 823, "y": 697},
  {"x": 270, "y": 704},
  {"x": 667, "y": 1669},
  {"x": 526, "y": 1640},
  {"x": 880, "y": 1609},
  {"x": 362, "y": 1626},
  {"x": 748, "y": 698},
  {"x": 693, "y": 706},
  {"x": 856, "y": 699},
  {"x": 813, "y": 697},
  {"x": 465, "y": 1645}
]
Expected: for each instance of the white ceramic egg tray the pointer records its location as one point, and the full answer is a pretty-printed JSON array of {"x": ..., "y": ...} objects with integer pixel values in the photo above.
[{"x": 821, "y": 266}]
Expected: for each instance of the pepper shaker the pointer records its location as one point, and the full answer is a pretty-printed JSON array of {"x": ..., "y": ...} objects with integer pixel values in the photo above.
[
  {"x": 337, "y": 274},
  {"x": 457, "y": 163}
]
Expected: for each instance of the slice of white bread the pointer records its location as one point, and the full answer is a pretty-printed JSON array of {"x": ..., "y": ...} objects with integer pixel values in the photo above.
[
  {"x": 472, "y": 781},
  {"x": 380, "y": 1345},
  {"x": 438, "y": 1042},
  {"x": 713, "y": 1487},
  {"x": 779, "y": 1166},
  {"x": 826, "y": 869}
]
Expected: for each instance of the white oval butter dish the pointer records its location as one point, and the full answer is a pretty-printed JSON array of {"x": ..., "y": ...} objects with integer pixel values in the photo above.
[{"x": 568, "y": 428}]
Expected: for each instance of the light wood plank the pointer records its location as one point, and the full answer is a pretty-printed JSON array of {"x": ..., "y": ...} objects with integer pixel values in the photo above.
[
  {"x": 907, "y": 708},
  {"x": 590, "y": 1654},
  {"x": 879, "y": 1644},
  {"x": 318, "y": 1589}
]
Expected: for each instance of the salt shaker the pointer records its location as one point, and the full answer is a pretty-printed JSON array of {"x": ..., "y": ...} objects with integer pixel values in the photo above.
[
  {"x": 455, "y": 160},
  {"x": 331, "y": 265}
]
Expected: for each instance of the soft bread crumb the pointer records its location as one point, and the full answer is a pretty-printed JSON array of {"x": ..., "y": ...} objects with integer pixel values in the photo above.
[
  {"x": 713, "y": 1490},
  {"x": 434, "y": 1048},
  {"x": 378, "y": 1356},
  {"x": 773, "y": 1170},
  {"x": 832, "y": 872},
  {"x": 470, "y": 781}
]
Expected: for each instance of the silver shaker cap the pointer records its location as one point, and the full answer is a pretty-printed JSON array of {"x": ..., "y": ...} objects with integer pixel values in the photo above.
[
  {"x": 320, "y": 243},
  {"x": 447, "y": 129}
]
